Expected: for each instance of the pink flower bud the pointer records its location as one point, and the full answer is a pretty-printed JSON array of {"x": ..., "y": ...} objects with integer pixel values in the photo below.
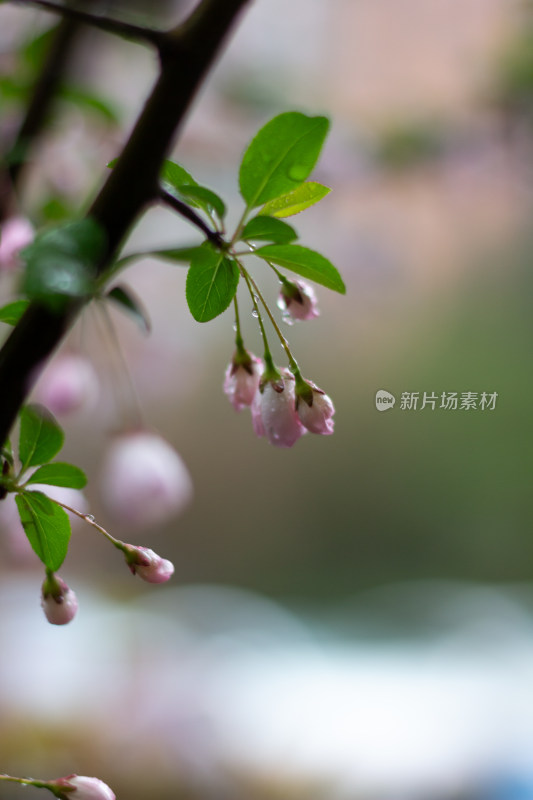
[
  {"x": 148, "y": 565},
  {"x": 144, "y": 481},
  {"x": 315, "y": 410},
  {"x": 79, "y": 787},
  {"x": 58, "y": 601},
  {"x": 68, "y": 383},
  {"x": 242, "y": 380},
  {"x": 298, "y": 301},
  {"x": 274, "y": 412},
  {"x": 15, "y": 234}
]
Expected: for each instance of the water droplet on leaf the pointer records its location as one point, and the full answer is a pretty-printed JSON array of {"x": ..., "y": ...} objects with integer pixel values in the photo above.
[{"x": 298, "y": 172}]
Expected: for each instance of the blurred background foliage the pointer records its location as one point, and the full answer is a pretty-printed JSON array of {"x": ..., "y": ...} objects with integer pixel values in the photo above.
[{"x": 429, "y": 221}]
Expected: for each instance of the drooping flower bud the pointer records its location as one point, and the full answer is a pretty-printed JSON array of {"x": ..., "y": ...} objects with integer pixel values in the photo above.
[
  {"x": 148, "y": 565},
  {"x": 68, "y": 383},
  {"x": 15, "y": 234},
  {"x": 79, "y": 787},
  {"x": 274, "y": 411},
  {"x": 241, "y": 380},
  {"x": 58, "y": 601},
  {"x": 298, "y": 301},
  {"x": 144, "y": 481},
  {"x": 314, "y": 408}
]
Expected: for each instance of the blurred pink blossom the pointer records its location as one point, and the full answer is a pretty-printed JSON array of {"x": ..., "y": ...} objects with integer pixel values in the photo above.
[
  {"x": 274, "y": 412},
  {"x": 148, "y": 565},
  {"x": 82, "y": 788},
  {"x": 241, "y": 380},
  {"x": 298, "y": 301},
  {"x": 15, "y": 234},
  {"x": 58, "y": 601},
  {"x": 144, "y": 482},
  {"x": 316, "y": 416},
  {"x": 68, "y": 383}
]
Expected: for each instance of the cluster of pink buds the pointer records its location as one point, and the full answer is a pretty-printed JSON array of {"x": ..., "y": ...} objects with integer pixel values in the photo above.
[
  {"x": 79, "y": 787},
  {"x": 284, "y": 406},
  {"x": 58, "y": 601},
  {"x": 284, "y": 409}
]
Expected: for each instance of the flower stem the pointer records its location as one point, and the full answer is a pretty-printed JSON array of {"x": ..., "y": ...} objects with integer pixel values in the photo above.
[
  {"x": 293, "y": 364},
  {"x": 50, "y": 785},
  {"x": 267, "y": 354},
  {"x": 91, "y": 521}
]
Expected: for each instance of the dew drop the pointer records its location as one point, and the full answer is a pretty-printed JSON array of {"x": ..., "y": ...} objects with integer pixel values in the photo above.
[
  {"x": 255, "y": 313},
  {"x": 235, "y": 327},
  {"x": 90, "y": 517},
  {"x": 298, "y": 172},
  {"x": 288, "y": 320}
]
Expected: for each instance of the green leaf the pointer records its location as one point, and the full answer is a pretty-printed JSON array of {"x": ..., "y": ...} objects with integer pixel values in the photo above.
[
  {"x": 293, "y": 202},
  {"x": 87, "y": 101},
  {"x": 205, "y": 198},
  {"x": 61, "y": 262},
  {"x": 270, "y": 229},
  {"x": 40, "y": 438},
  {"x": 304, "y": 262},
  {"x": 47, "y": 527},
  {"x": 281, "y": 156},
  {"x": 12, "y": 312},
  {"x": 211, "y": 283},
  {"x": 175, "y": 176},
  {"x": 59, "y": 474},
  {"x": 127, "y": 300}
]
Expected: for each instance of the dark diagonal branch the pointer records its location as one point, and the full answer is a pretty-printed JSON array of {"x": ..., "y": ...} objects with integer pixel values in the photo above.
[
  {"x": 114, "y": 26},
  {"x": 188, "y": 213},
  {"x": 188, "y": 52}
]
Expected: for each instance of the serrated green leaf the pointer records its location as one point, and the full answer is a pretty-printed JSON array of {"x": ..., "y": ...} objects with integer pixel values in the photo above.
[
  {"x": 59, "y": 474},
  {"x": 298, "y": 200},
  {"x": 40, "y": 438},
  {"x": 47, "y": 527},
  {"x": 204, "y": 198},
  {"x": 269, "y": 229},
  {"x": 126, "y": 299},
  {"x": 12, "y": 312},
  {"x": 211, "y": 283},
  {"x": 281, "y": 156},
  {"x": 307, "y": 263},
  {"x": 61, "y": 262}
]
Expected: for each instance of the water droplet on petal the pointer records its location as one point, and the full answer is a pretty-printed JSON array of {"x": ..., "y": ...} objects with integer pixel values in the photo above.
[{"x": 287, "y": 319}]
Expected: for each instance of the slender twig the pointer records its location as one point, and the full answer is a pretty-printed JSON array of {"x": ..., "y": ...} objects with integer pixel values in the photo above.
[
  {"x": 188, "y": 213},
  {"x": 114, "y": 26}
]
